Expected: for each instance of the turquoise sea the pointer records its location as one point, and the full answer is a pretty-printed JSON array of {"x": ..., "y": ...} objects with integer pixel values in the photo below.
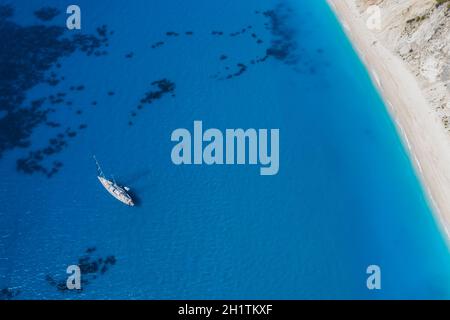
[{"x": 346, "y": 195}]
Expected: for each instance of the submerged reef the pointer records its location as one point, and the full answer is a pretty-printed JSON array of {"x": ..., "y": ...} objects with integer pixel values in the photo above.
[
  {"x": 30, "y": 56},
  {"x": 283, "y": 45},
  {"x": 91, "y": 267},
  {"x": 241, "y": 68},
  {"x": 172, "y": 34},
  {"x": 163, "y": 86},
  {"x": 8, "y": 293},
  {"x": 157, "y": 44},
  {"x": 275, "y": 25},
  {"x": 33, "y": 162},
  {"x": 46, "y": 13}
]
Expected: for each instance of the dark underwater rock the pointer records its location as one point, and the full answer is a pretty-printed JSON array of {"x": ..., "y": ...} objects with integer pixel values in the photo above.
[
  {"x": 8, "y": 293},
  {"x": 31, "y": 55},
  {"x": 164, "y": 87},
  {"x": 91, "y": 267},
  {"x": 47, "y": 13}
]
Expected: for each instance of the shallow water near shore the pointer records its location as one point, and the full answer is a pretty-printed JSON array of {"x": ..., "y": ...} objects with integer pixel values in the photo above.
[{"x": 345, "y": 197}]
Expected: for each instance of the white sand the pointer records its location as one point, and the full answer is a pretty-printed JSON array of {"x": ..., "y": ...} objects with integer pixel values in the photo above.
[{"x": 420, "y": 128}]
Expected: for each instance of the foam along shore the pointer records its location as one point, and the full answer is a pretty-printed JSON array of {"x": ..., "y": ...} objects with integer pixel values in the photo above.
[{"x": 421, "y": 131}]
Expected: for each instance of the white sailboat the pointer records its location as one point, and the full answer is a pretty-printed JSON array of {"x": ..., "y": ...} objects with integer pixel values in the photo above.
[{"x": 118, "y": 192}]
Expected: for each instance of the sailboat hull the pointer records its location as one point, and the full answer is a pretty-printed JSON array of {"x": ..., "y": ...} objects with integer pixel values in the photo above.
[{"x": 116, "y": 191}]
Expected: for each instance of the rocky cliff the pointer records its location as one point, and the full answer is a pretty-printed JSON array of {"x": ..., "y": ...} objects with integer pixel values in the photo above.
[{"x": 419, "y": 32}]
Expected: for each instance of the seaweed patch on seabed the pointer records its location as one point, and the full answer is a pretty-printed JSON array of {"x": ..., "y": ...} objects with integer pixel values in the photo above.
[
  {"x": 33, "y": 162},
  {"x": 46, "y": 13},
  {"x": 8, "y": 293},
  {"x": 283, "y": 44},
  {"x": 91, "y": 267},
  {"x": 164, "y": 87},
  {"x": 30, "y": 56}
]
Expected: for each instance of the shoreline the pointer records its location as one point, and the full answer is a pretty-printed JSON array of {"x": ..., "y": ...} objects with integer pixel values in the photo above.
[{"x": 426, "y": 143}]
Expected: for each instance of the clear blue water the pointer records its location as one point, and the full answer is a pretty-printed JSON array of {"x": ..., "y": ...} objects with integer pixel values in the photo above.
[{"x": 345, "y": 197}]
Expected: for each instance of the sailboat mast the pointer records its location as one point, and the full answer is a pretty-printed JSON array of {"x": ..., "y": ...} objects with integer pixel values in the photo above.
[{"x": 99, "y": 169}]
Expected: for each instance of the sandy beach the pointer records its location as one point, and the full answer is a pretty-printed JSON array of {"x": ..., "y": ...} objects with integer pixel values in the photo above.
[{"x": 420, "y": 129}]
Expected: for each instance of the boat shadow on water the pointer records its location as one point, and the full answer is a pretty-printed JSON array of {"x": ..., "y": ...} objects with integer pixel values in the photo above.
[
  {"x": 136, "y": 199},
  {"x": 137, "y": 176}
]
